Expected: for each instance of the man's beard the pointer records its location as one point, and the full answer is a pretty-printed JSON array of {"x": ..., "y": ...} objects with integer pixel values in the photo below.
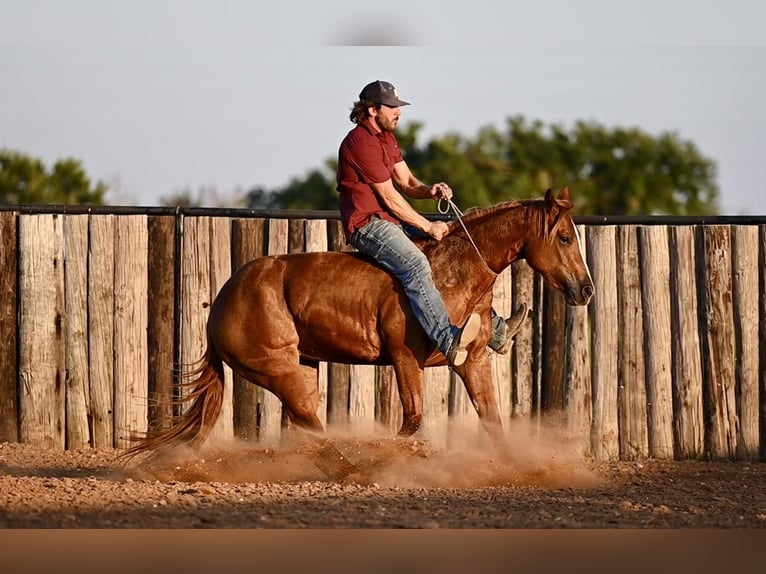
[{"x": 385, "y": 124}]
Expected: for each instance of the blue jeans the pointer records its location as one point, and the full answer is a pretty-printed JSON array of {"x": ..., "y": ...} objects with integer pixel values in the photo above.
[
  {"x": 498, "y": 334},
  {"x": 390, "y": 247}
]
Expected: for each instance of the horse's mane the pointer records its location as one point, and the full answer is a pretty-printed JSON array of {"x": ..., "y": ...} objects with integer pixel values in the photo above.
[{"x": 537, "y": 215}]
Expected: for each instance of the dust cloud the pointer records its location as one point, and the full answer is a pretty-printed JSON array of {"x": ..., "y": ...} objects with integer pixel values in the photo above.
[{"x": 542, "y": 453}]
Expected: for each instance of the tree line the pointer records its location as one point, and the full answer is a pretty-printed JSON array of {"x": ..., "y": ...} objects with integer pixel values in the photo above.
[{"x": 615, "y": 171}]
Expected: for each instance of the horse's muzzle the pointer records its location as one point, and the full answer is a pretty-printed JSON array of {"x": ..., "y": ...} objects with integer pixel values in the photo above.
[{"x": 581, "y": 296}]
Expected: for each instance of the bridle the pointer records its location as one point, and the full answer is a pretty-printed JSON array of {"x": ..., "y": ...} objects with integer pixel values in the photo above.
[{"x": 459, "y": 215}]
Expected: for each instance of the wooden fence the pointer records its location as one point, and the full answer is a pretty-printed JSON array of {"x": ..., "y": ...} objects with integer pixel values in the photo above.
[{"x": 667, "y": 361}]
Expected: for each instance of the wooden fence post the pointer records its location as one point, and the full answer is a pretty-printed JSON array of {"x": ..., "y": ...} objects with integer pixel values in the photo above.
[
  {"x": 578, "y": 372},
  {"x": 389, "y": 404},
  {"x": 76, "y": 300},
  {"x": 553, "y": 350},
  {"x": 436, "y": 389},
  {"x": 195, "y": 295},
  {"x": 502, "y": 302},
  {"x": 270, "y": 427},
  {"x": 131, "y": 363},
  {"x": 248, "y": 242},
  {"x": 631, "y": 390},
  {"x": 42, "y": 328},
  {"x": 338, "y": 375},
  {"x": 522, "y": 358},
  {"x": 9, "y": 367},
  {"x": 744, "y": 278},
  {"x": 316, "y": 241},
  {"x": 718, "y": 343},
  {"x": 655, "y": 287},
  {"x": 101, "y": 325},
  {"x": 601, "y": 256},
  {"x": 162, "y": 320},
  {"x": 687, "y": 362},
  {"x": 220, "y": 271},
  {"x": 762, "y": 335}
]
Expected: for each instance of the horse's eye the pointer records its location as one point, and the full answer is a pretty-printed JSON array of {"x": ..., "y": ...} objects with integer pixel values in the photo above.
[{"x": 565, "y": 239}]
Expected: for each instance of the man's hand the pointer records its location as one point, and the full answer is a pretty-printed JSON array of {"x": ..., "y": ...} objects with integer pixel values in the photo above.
[
  {"x": 441, "y": 191},
  {"x": 437, "y": 229}
]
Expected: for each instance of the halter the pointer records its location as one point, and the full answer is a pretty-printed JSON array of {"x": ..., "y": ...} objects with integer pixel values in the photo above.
[{"x": 459, "y": 215}]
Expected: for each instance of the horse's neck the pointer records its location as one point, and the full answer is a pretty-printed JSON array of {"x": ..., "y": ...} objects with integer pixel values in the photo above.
[{"x": 498, "y": 238}]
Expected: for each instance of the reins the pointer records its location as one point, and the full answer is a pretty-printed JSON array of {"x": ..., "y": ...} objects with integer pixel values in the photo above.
[{"x": 459, "y": 215}]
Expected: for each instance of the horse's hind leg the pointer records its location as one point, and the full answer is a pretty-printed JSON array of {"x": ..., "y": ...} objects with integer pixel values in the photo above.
[
  {"x": 301, "y": 400},
  {"x": 296, "y": 385},
  {"x": 409, "y": 380}
]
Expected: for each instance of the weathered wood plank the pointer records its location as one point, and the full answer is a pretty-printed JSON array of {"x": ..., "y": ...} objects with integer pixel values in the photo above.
[
  {"x": 464, "y": 420},
  {"x": 553, "y": 347},
  {"x": 76, "y": 301},
  {"x": 602, "y": 261},
  {"x": 101, "y": 324},
  {"x": 436, "y": 389},
  {"x": 718, "y": 344},
  {"x": 248, "y": 243},
  {"x": 655, "y": 290},
  {"x": 270, "y": 426},
  {"x": 522, "y": 357},
  {"x": 161, "y": 328},
  {"x": 42, "y": 328},
  {"x": 762, "y": 335},
  {"x": 362, "y": 399},
  {"x": 744, "y": 278},
  {"x": 631, "y": 391},
  {"x": 687, "y": 362},
  {"x": 501, "y": 364},
  {"x": 296, "y": 235},
  {"x": 338, "y": 375},
  {"x": 316, "y": 241},
  {"x": 578, "y": 371},
  {"x": 131, "y": 303},
  {"x": 195, "y": 295},
  {"x": 389, "y": 404},
  {"x": 220, "y": 271},
  {"x": 9, "y": 366}
]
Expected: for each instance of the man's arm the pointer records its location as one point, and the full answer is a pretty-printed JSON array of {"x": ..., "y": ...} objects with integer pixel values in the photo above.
[
  {"x": 416, "y": 189},
  {"x": 401, "y": 209}
]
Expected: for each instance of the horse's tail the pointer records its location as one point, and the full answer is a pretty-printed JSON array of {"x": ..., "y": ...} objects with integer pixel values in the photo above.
[{"x": 203, "y": 386}]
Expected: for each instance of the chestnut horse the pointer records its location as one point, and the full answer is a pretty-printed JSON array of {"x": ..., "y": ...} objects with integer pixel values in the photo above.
[{"x": 278, "y": 316}]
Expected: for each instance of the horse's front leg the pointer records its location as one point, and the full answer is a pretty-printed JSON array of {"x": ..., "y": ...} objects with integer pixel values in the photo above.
[
  {"x": 476, "y": 373},
  {"x": 409, "y": 380}
]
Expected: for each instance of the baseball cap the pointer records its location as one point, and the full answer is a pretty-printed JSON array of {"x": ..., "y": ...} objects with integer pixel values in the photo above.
[{"x": 380, "y": 92}]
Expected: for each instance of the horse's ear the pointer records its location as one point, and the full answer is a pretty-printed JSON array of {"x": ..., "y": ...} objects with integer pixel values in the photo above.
[
  {"x": 548, "y": 196},
  {"x": 564, "y": 193}
]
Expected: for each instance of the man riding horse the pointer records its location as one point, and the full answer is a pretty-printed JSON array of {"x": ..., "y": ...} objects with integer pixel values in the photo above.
[{"x": 379, "y": 222}]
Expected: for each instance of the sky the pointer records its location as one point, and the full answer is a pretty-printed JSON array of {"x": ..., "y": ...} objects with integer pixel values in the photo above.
[{"x": 157, "y": 96}]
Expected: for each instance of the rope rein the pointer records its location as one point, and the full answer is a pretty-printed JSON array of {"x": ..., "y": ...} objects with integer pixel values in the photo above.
[{"x": 459, "y": 215}]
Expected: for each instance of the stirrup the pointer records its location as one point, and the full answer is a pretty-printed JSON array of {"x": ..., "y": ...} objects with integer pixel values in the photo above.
[
  {"x": 465, "y": 335},
  {"x": 513, "y": 325}
]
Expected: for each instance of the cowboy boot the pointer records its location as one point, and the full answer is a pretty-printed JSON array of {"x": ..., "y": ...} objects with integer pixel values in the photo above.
[{"x": 512, "y": 326}]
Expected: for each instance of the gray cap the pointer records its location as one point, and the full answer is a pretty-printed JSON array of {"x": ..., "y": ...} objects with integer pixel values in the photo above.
[{"x": 380, "y": 92}]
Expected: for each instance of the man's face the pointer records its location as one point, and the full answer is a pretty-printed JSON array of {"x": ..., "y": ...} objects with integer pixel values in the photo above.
[{"x": 387, "y": 118}]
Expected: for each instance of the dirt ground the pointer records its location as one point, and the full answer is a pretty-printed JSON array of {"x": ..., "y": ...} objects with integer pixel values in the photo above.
[{"x": 396, "y": 484}]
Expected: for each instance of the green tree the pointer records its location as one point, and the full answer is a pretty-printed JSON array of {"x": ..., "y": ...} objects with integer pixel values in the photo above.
[
  {"x": 26, "y": 180},
  {"x": 610, "y": 171},
  {"x": 316, "y": 190},
  {"x": 205, "y": 196}
]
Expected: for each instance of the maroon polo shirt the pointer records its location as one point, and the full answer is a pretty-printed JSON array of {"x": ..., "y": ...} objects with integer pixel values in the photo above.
[{"x": 364, "y": 157}]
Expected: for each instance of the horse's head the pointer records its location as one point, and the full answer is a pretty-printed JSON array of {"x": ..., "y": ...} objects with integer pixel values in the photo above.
[{"x": 554, "y": 249}]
